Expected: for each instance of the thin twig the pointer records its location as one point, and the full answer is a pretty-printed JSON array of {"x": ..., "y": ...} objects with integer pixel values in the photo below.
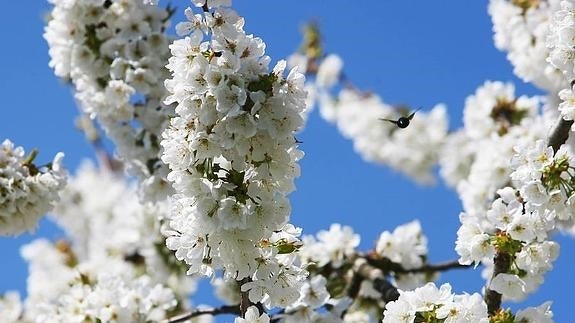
[
  {"x": 387, "y": 265},
  {"x": 226, "y": 309}
]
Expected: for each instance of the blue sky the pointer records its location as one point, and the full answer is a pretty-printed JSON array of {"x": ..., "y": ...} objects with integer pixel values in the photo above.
[{"x": 415, "y": 52}]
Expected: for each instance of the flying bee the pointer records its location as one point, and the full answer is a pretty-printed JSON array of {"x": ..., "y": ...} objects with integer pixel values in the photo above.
[{"x": 402, "y": 122}]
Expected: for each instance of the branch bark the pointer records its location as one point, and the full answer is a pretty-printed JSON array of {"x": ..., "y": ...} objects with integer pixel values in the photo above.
[
  {"x": 226, "y": 309},
  {"x": 560, "y": 134},
  {"x": 501, "y": 262},
  {"x": 387, "y": 265}
]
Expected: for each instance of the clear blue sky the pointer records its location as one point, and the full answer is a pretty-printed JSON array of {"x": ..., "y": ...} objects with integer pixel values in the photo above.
[{"x": 415, "y": 52}]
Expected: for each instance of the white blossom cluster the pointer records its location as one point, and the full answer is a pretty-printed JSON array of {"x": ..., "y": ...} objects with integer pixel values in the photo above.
[
  {"x": 114, "y": 53},
  {"x": 510, "y": 229},
  {"x": 521, "y": 29},
  {"x": 104, "y": 219},
  {"x": 116, "y": 267},
  {"x": 429, "y": 303},
  {"x": 562, "y": 55},
  {"x": 475, "y": 159},
  {"x": 27, "y": 191},
  {"x": 233, "y": 156},
  {"x": 331, "y": 246},
  {"x": 520, "y": 221},
  {"x": 310, "y": 307},
  {"x": 330, "y": 255},
  {"x": 406, "y": 246},
  {"x": 495, "y": 220},
  {"x": 62, "y": 290},
  {"x": 412, "y": 151},
  {"x": 546, "y": 181}
]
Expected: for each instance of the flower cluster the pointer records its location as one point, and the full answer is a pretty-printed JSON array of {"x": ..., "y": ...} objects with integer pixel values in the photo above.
[
  {"x": 331, "y": 246},
  {"x": 412, "y": 151},
  {"x": 233, "y": 156},
  {"x": 114, "y": 53},
  {"x": 518, "y": 234},
  {"x": 62, "y": 289},
  {"x": 116, "y": 266},
  {"x": 475, "y": 159},
  {"x": 407, "y": 247},
  {"x": 27, "y": 191},
  {"x": 431, "y": 304},
  {"x": 546, "y": 181},
  {"x": 562, "y": 54},
  {"x": 104, "y": 219},
  {"x": 521, "y": 29},
  {"x": 109, "y": 297}
]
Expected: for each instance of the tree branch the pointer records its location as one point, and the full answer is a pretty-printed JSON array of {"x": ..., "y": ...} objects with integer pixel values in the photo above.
[
  {"x": 431, "y": 268},
  {"x": 226, "y": 309},
  {"x": 501, "y": 262},
  {"x": 387, "y": 265},
  {"x": 560, "y": 134}
]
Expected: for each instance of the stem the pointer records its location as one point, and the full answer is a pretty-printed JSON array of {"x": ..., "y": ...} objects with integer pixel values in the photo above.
[
  {"x": 501, "y": 262},
  {"x": 226, "y": 309},
  {"x": 560, "y": 134}
]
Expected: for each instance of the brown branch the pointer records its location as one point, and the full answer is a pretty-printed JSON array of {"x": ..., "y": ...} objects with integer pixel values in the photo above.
[
  {"x": 432, "y": 268},
  {"x": 501, "y": 263},
  {"x": 560, "y": 134},
  {"x": 387, "y": 265},
  {"x": 226, "y": 309}
]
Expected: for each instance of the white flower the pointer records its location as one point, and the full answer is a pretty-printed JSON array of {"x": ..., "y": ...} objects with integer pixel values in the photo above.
[
  {"x": 426, "y": 297},
  {"x": 314, "y": 293},
  {"x": 399, "y": 311},
  {"x": 539, "y": 314},
  {"x": 537, "y": 257},
  {"x": 464, "y": 308},
  {"x": 509, "y": 285},
  {"x": 406, "y": 245},
  {"x": 473, "y": 242},
  {"x": 331, "y": 246},
  {"x": 329, "y": 71}
]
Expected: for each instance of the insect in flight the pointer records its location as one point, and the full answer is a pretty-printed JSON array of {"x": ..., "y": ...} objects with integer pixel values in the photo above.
[{"x": 402, "y": 122}]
